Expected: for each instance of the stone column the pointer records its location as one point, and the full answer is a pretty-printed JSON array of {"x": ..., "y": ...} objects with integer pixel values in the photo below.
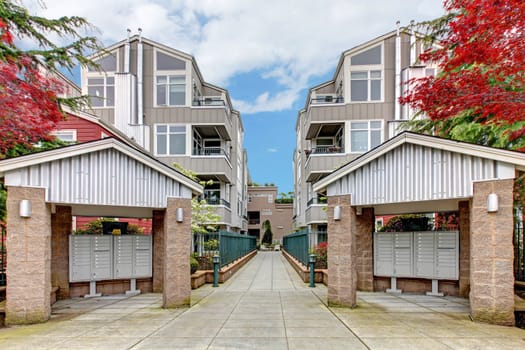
[
  {"x": 464, "y": 248},
  {"x": 492, "y": 255},
  {"x": 342, "y": 275},
  {"x": 177, "y": 248},
  {"x": 29, "y": 258},
  {"x": 61, "y": 224},
  {"x": 157, "y": 230},
  {"x": 365, "y": 225}
]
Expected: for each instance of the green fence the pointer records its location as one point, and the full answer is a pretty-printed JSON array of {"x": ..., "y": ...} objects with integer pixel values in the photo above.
[
  {"x": 231, "y": 246},
  {"x": 297, "y": 245}
]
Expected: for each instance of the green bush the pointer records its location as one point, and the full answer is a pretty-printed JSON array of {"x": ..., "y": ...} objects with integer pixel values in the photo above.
[{"x": 194, "y": 264}]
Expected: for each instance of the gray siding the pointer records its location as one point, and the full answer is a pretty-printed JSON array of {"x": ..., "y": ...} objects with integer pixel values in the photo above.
[
  {"x": 414, "y": 173},
  {"x": 203, "y": 165},
  {"x": 325, "y": 163},
  {"x": 100, "y": 178}
]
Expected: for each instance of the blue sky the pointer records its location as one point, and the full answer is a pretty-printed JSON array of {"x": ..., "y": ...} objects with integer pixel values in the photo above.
[{"x": 266, "y": 53}]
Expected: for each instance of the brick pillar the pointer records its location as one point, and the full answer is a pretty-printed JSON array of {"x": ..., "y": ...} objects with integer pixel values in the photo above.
[
  {"x": 157, "y": 231},
  {"x": 342, "y": 275},
  {"x": 61, "y": 224},
  {"x": 177, "y": 249},
  {"x": 491, "y": 254},
  {"x": 29, "y": 258},
  {"x": 365, "y": 224},
  {"x": 464, "y": 248}
]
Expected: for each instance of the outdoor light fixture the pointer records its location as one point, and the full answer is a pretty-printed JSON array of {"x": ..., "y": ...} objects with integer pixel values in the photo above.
[
  {"x": 179, "y": 215},
  {"x": 358, "y": 211},
  {"x": 492, "y": 203},
  {"x": 25, "y": 208},
  {"x": 216, "y": 259},
  {"x": 337, "y": 213},
  {"x": 311, "y": 260}
]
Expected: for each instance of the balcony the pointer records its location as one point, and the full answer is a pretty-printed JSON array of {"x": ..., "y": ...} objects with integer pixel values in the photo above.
[
  {"x": 218, "y": 201},
  {"x": 323, "y": 110},
  {"x": 324, "y": 150},
  {"x": 213, "y": 102},
  {"x": 211, "y": 152},
  {"x": 321, "y": 162},
  {"x": 326, "y": 99},
  {"x": 316, "y": 201},
  {"x": 315, "y": 214}
]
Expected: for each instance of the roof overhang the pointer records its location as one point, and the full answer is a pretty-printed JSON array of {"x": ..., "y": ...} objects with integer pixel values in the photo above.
[
  {"x": 29, "y": 160},
  {"x": 501, "y": 155}
]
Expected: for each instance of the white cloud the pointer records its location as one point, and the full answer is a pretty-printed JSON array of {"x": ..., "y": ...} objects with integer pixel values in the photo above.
[
  {"x": 289, "y": 41},
  {"x": 272, "y": 150}
]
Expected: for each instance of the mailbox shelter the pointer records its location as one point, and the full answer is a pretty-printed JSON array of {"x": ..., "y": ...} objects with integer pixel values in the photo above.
[
  {"x": 99, "y": 178},
  {"x": 413, "y": 173}
]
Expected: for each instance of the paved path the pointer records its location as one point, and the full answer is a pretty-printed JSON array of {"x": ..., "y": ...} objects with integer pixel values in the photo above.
[{"x": 264, "y": 306}]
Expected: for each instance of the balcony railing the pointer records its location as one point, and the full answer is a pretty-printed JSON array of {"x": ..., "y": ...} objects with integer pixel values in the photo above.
[
  {"x": 324, "y": 150},
  {"x": 254, "y": 221},
  {"x": 316, "y": 201},
  {"x": 325, "y": 99},
  {"x": 218, "y": 201},
  {"x": 211, "y": 152},
  {"x": 209, "y": 101}
]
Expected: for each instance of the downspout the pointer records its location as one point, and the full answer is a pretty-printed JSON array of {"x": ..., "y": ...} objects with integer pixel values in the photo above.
[
  {"x": 397, "y": 106},
  {"x": 127, "y": 54},
  {"x": 412, "y": 44},
  {"x": 140, "y": 92}
]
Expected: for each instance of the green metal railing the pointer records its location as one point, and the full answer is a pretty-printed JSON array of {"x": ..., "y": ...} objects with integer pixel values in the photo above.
[
  {"x": 233, "y": 246},
  {"x": 297, "y": 245}
]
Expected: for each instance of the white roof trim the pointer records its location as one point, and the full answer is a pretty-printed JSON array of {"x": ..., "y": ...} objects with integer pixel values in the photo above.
[
  {"x": 11, "y": 164},
  {"x": 512, "y": 157}
]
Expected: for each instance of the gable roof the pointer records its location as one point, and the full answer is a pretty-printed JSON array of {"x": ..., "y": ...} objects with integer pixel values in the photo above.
[
  {"x": 10, "y": 164},
  {"x": 501, "y": 155}
]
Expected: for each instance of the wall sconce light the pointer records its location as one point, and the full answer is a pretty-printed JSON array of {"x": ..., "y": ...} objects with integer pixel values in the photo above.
[
  {"x": 492, "y": 203},
  {"x": 25, "y": 208},
  {"x": 179, "y": 215},
  {"x": 358, "y": 211},
  {"x": 337, "y": 213}
]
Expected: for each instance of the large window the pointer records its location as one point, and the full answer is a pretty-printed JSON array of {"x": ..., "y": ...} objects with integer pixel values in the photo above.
[
  {"x": 170, "y": 80},
  {"x": 366, "y": 76},
  {"x": 171, "y": 90},
  {"x": 365, "y": 135},
  {"x": 102, "y": 91},
  {"x": 101, "y": 83},
  {"x": 170, "y": 139}
]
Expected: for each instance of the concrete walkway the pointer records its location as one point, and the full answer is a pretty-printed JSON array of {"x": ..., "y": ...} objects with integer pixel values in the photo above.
[{"x": 265, "y": 306}]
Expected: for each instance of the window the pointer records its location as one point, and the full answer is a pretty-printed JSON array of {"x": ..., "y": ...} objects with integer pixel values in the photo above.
[
  {"x": 366, "y": 74},
  {"x": 166, "y": 62},
  {"x": 171, "y": 90},
  {"x": 107, "y": 64},
  {"x": 365, "y": 135},
  {"x": 66, "y": 135},
  {"x": 101, "y": 83},
  {"x": 170, "y": 139},
  {"x": 325, "y": 141},
  {"x": 212, "y": 193},
  {"x": 102, "y": 91},
  {"x": 365, "y": 85},
  {"x": 170, "y": 80}
]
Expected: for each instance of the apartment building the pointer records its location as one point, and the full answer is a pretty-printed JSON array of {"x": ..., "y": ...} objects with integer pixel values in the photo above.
[
  {"x": 351, "y": 114},
  {"x": 263, "y": 205},
  {"x": 156, "y": 95}
]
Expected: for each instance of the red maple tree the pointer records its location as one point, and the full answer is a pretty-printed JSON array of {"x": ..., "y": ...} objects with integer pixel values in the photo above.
[
  {"x": 28, "y": 98},
  {"x": 481, "y": 59}
]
